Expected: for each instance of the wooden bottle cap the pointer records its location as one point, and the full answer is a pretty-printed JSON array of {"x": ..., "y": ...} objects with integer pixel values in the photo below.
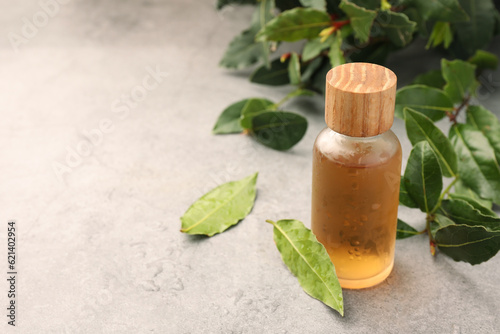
[{"x": 359, "y": 99}]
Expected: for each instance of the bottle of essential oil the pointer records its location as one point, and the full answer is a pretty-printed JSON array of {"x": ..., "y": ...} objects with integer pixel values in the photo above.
[{"x": 356, "y": 174}]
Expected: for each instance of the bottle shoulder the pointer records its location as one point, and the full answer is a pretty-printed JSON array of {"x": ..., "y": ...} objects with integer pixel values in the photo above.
[{"x": 357, "y": 151}]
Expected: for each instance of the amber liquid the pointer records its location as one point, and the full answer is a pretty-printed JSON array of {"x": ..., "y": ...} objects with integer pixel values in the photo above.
[{"x": 354, "y": 214}]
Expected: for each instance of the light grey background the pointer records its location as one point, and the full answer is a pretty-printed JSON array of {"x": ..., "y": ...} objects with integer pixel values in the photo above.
[{"x": 100, "y": 250}]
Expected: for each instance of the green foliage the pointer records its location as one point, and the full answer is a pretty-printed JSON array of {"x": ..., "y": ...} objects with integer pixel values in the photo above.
[
  {"x": 221, "y": 207},
  {"x": 459, "y": 219},
  {"x": 308, "y": 260}
]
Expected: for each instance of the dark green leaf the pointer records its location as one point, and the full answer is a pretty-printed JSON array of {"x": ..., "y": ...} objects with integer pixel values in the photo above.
[
  {"x": 462, "y": 189},
  {"x": 441, "y": 34},
  {"x": 221, "y": 207},
  {"x": 294, "y": 69},
  {"x": 318, "y": 80},
  {"x": 423, "y": 179},
  {"x": 472, "y": 244},
  {"x": 442, "y": 10},
  {"x": 420, "y": 128},
  {"x": 229, "y": 120},
  {"x": 477, "y": 32},
  {"x": 295, "y": 24},
  {"x": 404, "y": 198},
  {"x": 309, "y": 261},
  {"x": 361, "y": 19},
  {"x": 374, "y": 53},
  {"x": 276, "y": 75},
  {"x": 432, "y": 78},
  {"x": 404, "y": 230},
  {"x": 252, "y": 108},
  {"x": 439, "y": 222},
  {"x": 309, "y": 69},
  {"x": 368, "y": 4},
  {"x": 431, "y": 102},
  {"x": 484, "y": 121},
  {"x": 475, "y": 204},
  {"x": 335, "y": 54},
  {"x": 316, "y": 4},
  {"x": 477, "y": 166},
  {"x": 313, "y": 48},
  {"x": 397, "y": 26},
  {"x": 279, "y": 130},
  {"x": 243, "y": 51},
  {"x": 459, "y": 77},
  {"x": 463, "y": 212},
  {"x": 484, "y": 60},
  {"x": 223, "y": 3}
]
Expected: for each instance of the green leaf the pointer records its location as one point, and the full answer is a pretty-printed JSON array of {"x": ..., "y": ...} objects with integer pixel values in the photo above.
[
  {"x": 335, "y": 54},
  {"x": 398, "y": 27},
  {"x": 316, "y": 4},
  {"x": 318, "y": 79},
  {"x": 459, "y": 77},
  {"x": 477, "y": 32},
  {"x": 431, "y": 102},
  {"x": 442, "y": 10},
  {"x": 485, "y": 210},
  {"x": 432, "y": 78},
  {"x": 486, "y": 122},
  {"x": 294, "y": 69},
  {"x": 295, "y": 24},
  {"x": 404, "y": 198},
  {"x": 472, "y": 244},
  {"x": 279, "y": 130},
  {"x": 441, "y": 34},
  {"x": 276, "y": 75},
  {"x": 243, "y": 51},
  {"x": 373, "y": 53},
  {"x": 368, "y": 4},
  {"x": 439, "y": 222},
  {"x": 223, "y": 3},
  {"x": 252, "y": 108},
  {"x": 420, "y": 128},
  {"x": 462, "y": 212},
  {"x": 423, "y": 179},
  {"x": 308, "y": 260},
  {"x": 484, "y": 60},
  {"x": 361, "y": 19},
  {"x": 404, "y": 230},
  {"x": 462, "y": 189},
  {"x": 229, "y": 120},
  {"x": 477, "y": 167},
  {"x": 313, "y": 48},
  {"x": 221, "y": 207}
]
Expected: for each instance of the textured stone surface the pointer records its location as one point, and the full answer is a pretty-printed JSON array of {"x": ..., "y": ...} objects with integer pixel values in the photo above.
[{"x": 101, "y": 250}]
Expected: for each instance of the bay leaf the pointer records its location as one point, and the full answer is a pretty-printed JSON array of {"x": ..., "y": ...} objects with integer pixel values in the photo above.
[
  {"x": 220, "y": 208},
  {"x": 461, "y": 189},
  {"x": 460, "y": 78},
  {"x": 308, "y": 260},
  {"x": 442, "y": 10},
  {"x": 361, "y": 19},
  {"x": 316, "y": 4},
  {"x": 252, "y": 108},
  {"x": 431, "y": 102},
  {"x": 336, "y": 55},
  {"x": 294, "y": 69},
  {"x": 433, "y": 78},
  {"x": 439, "y": 222},
  {"x": 423, "y": 179},
  {"x": 472, "y": 244},
  {"x": 279, "y": 130},
  {"x": 462, "y": 212},
  {"x": 404, "y": 230},
  {"x": 397, "y": 26},
  {"x": 275, "y": 75},
  {"x": 420, "y": 128},
  {"x": 404, "y": 197},
  {"x": 476, "y": 204},
  {"x": 295, "y": 24},
  {"x": 484, "y": 60},
  {"x": 229, "y": 119},
  {"x": 486, "y": 122},
  {"x": 313, "y": 48},
  {"x": 477, "y": 167}
]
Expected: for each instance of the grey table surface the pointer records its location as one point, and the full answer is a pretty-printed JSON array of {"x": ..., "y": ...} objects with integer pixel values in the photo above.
[{"x": 99, "y": 247}]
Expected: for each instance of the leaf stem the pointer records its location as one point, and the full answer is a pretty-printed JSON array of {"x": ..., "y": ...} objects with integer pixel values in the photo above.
[
  {"x": 270, "y": 222},
  {"x": 286, "y": 98},
  {"x": 453, "y": 115}
]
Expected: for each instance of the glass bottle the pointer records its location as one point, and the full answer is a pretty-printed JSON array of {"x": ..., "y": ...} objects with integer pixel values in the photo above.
[{"x": 356, "y": 174}]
